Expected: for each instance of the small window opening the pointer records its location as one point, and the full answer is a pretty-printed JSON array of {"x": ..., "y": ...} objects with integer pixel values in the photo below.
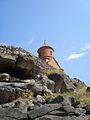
[{"x": 50, "y": 52}]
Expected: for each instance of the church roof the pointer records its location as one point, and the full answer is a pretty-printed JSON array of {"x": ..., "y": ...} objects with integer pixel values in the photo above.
[{"x": 45, "y": 45}]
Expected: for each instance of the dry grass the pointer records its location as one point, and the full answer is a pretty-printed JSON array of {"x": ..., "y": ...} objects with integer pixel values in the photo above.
[
  {"x": 51, "y": 71},
  {"x": 80, "y": 94}
]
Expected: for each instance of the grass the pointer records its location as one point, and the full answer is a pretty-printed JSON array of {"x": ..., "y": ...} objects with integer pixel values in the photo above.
[
  {"x": 80, "y": 95},
  {"x": 53, "y": 71}
]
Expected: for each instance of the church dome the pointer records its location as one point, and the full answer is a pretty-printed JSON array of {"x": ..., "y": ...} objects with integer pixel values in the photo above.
[{"x": 45, "y": 46}]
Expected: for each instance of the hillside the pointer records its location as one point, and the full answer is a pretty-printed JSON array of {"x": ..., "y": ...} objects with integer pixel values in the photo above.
[{"x": 30, "y": 89}]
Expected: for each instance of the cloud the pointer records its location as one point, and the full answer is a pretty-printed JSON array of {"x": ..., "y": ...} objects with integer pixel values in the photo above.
[
  {"x": 78, "y": 55},
  {"x": 87, "y": 47},
  {"x": 75, "y": 55}
]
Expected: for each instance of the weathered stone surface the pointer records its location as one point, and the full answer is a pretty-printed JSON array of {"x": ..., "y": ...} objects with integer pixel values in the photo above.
[
  {"x": 62, "y": 83},
  {"x": 48, "y": 117},
  {"x": 46, "y": 81},
  {"x": 12, "y": 114},
  {"x": 58, "y": 113},
  {"x": 55, "y": 100},
  {"x": 24, "y": 65},
  {"x": 36, "y": 88},
  {"x": 8, "y": 94},
  {"x": 40, "y": 111},
  {"x": 67, "y": 109},
  {"x": 53, "y": 117},
  {"x": 80, "y": 111},
  {"x": 7, "y": 118}
]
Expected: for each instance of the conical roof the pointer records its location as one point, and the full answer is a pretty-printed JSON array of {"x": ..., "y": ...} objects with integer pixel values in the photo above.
[{"x": 45, "y": 45}]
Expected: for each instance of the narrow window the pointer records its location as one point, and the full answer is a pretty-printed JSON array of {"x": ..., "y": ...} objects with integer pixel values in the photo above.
[{"x": 50, "y": 52}]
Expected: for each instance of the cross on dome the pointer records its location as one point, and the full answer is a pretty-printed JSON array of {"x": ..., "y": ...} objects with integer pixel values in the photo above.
[
  {"x": 45, "y": 44},
  {"x": 44, "y": 41}
]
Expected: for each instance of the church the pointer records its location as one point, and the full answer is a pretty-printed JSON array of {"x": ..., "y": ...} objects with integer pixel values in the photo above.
[{"x": 46, "y": 53}]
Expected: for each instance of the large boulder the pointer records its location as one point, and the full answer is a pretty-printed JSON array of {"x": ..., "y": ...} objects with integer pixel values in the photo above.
[
  {"x": 62, "y": 83},
  {"x": 23, "y": 65}
]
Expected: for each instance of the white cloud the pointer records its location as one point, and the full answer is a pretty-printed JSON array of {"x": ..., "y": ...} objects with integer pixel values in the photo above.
[
  {"x": 78, "y": 55},
  {"x": 87, "y": 47},
  {"x": 75, "y": 55}
]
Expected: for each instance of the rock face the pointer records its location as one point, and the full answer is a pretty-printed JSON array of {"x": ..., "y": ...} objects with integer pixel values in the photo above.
[
  {"x": 63, "y": 83},
  {"x": 25, "y": 84},
  {"x": 8, "y": 94},
  {"x": 13, "y": 62},
  {"x": 19, "y": 63}
]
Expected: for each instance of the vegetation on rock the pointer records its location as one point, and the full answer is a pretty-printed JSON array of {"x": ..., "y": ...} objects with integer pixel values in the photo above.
[{"x": 30, "y": 89}]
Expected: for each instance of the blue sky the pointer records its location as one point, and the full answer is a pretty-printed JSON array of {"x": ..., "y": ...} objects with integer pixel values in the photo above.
[{"x": 64, "y": 24}]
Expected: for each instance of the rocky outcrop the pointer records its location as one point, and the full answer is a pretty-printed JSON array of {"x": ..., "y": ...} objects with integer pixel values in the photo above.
[
  {"x": 58, "y": 110},
  {"x": 63, "y": 83},
  {"x": 15, "y": 87},
  {"x": 25, "y": 84},
  {"x": 19, "y": 63},
  {"x": 14, "y": 61}
]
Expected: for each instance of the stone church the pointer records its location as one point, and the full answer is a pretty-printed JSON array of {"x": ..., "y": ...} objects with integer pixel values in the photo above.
[{"x": 45, "y": 52}]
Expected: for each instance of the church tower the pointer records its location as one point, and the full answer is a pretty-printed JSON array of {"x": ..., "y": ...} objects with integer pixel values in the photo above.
[{"x": 45, "y": 52}]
